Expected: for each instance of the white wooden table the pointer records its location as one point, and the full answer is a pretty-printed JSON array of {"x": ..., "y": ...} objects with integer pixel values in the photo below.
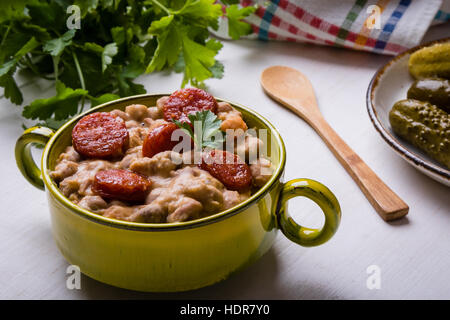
[{"x": 412, "y": 255}]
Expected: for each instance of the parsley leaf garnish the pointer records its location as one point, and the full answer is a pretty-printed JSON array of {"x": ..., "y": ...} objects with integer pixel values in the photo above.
[{"x": 205, "y": 130}]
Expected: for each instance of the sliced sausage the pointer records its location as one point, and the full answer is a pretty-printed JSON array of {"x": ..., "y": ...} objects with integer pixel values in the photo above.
[
  {"x": 228, "y": 168},
  {"x": 100, "y": 135},
  {"x": 159, "y": 140},
  {"x": 187, "y": 101},
  {"x": 119, "y": 184}
]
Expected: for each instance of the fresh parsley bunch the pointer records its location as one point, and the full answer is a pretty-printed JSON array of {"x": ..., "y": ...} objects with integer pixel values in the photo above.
[{"x": 118, "y": 41}]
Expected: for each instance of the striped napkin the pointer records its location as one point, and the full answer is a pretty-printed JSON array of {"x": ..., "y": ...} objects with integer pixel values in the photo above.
[{"x": 381, "y": 26}]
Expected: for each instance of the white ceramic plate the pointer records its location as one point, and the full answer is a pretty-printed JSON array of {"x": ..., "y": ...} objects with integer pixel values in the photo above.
[{"x": 389, "y": 85}]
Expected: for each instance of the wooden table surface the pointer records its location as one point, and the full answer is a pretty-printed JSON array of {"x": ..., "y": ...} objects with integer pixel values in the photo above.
[{"x": 412, "y": 255}]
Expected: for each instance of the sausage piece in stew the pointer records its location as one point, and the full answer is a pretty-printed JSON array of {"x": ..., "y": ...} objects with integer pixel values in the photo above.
[
  {"x": 118, "y": 184},
  {"x": 100, "y": 135}
]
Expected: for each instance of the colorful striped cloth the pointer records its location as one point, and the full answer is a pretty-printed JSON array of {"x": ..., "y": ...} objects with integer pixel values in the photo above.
[{"x": 380, "y": 26}]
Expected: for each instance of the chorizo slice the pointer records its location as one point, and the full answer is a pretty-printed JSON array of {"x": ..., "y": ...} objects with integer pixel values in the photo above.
[
  {"x": 100, "y": 135},
  {"x": 187, "y": 101},
  {"x": 119, "y": 184},
  {"x": 228, "y": 168},
  {"x": 159, "y": 140}
]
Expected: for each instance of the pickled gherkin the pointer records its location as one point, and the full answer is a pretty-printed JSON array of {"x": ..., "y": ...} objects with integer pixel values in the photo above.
[
  {"x": 436, "y": 91},
  {"x": 432, "y": 61},
  {"x": 423, "y": 125}
]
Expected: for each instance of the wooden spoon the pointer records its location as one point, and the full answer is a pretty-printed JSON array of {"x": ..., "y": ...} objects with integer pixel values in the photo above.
[{"x": 293, "y": 90}]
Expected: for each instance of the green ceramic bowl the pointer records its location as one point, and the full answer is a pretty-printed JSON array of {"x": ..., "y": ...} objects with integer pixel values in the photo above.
[{"x": 174, "y": 256}]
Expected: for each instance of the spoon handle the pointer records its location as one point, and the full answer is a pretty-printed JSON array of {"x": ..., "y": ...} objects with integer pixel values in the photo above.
[{"x": 388, "y": 205}]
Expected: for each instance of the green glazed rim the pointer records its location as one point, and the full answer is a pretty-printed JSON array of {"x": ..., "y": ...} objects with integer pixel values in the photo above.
[{"x": 53, "y": 189}]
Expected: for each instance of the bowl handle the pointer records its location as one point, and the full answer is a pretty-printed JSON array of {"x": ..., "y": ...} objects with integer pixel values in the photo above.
[
  {"x": 25, "y": 162},
  {"x": 321, "y": 195}
]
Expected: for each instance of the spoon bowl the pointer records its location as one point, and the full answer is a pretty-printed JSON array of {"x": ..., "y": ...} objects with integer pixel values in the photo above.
[{"x": 291, "y": 88}]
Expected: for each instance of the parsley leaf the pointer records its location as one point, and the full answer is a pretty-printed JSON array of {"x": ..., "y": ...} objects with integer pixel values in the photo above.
[
  {"x": 10, "y": 65},
  {"x": 12, "y": 91},
  {"x": 106, "y": 53},
  {"x": 217, "y": 70},
  {"x": 109, "y": 51},
  {"x": 86, "y": 6},
  {"x": 205, "y": 129},
  {"x": 169, "y": 43},
  {"x": 136, "y": 67},
  {"x": 56, "y": 46},
  {"x": 230, "y": 1},
  {"x": 11, "y": 44},
  {"x": 7, "y": 66},
  {"x": 95, "y": 101},
  {"x": 174, "y": 36},
  {"x": 198, "y": 59},
  {"x": 7, "y": 70},
  {"x": 128, "y": 87},
  {"x": 30, "y": 45},
  {"x": 203, "y": 13},
  {"x": 236, "y": 27},
  {"x": 11, "y": 9},
  {"x": 62, "y": 105}
]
